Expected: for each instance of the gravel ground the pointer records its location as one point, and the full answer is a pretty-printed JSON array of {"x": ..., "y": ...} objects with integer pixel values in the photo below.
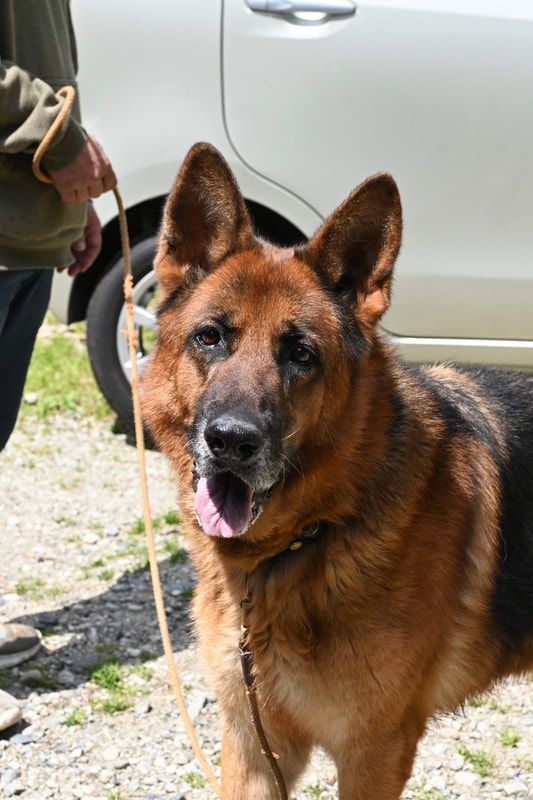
[{"x": 99, "y": 719}]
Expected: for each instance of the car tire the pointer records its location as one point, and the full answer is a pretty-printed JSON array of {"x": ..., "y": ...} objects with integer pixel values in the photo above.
[{"x": 104, "y": 314}]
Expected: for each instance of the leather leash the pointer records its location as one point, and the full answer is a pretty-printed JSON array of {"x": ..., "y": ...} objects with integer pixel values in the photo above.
[{"x": 309, "y": 532}]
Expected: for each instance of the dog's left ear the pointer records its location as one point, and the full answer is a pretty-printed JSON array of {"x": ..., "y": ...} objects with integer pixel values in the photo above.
[
  {"x": 205, "y": 219},
  {"x": 355, "y": 249}
]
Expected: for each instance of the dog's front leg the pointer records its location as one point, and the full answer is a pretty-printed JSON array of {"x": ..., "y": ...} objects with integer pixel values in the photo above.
[
  {"x": 378, "y": 770},
  {"x": 246, "y": 774}
]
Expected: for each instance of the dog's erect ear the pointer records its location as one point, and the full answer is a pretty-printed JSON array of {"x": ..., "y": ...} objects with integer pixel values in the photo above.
[
  {"x": 355, "y": 249},
  {"x": 205, "y": 218}
]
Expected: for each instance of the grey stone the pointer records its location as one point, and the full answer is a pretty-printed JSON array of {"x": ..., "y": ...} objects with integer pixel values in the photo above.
[
  {"x": 8, "y": 775},
  {"x": 21, "y": 738},
  {"x": 15, "y": 788},
  {"x": 514, "y": 787}
]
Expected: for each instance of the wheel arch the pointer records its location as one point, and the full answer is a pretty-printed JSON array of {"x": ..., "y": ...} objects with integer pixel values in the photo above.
[{"x": 144, "y": 218}]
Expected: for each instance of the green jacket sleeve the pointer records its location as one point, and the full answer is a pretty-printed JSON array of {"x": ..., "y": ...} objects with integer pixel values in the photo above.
[{"x": 28, "y": 106}]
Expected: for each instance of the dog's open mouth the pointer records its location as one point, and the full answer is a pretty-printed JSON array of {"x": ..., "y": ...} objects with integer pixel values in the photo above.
[{"x": 225, "y": 505}]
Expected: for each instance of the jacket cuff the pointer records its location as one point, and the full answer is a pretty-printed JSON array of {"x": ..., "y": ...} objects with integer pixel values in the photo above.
[{"x": 65, "y": 147}]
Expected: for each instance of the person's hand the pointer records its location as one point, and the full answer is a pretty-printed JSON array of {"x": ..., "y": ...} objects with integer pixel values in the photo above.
[
  {"x": 89, "y": 174},
  {"x": 86, "y": 249}
]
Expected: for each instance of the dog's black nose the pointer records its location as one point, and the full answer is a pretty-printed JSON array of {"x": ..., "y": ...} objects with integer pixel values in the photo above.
[{"x": 233, "y": 441}]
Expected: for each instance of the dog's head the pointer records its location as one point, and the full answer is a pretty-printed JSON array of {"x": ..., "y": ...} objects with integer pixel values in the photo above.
[{"x": 257, "y": 345}]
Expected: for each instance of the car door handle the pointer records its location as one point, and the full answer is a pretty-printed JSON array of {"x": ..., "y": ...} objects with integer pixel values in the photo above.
[{"x": 333, "y": 8}]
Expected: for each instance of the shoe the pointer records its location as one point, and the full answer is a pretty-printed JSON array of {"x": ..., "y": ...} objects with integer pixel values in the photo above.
[
  {"x": 10, "y": 712},
  {"x": 17, "y": 643}
]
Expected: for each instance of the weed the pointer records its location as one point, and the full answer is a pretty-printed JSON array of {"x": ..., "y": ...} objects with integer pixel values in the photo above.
[
  {"x": 171, "y": 517},
  {"x": 138, "y": 527},
  {"x": 107, "y": 675},
  {"x": 177, "y": 554},
  {"x": 113, "y": 704},
  {"x": 32, "y": 587},
  {"x": 314, "y": 791},
  {"x": 495, "y": 706},
  {"x": 187, "y": 594},
  {"x": 72, "y": 483},
  {"x": 46, "y": 632},
  {"x": 509, "y": 738},
  {"x": 116, "y": 794},
  {"x": 476, "y": 702},
  {"x": 480, "y": 760},
  {"x": 143, "y": 671},
  {"x": 194, "y": 779},
  {"x": 426, "y": 793},
  {"x": 76, "y": 717},
  {"x": 65, "y": 521},
  {"x": 106, "y": 574}
]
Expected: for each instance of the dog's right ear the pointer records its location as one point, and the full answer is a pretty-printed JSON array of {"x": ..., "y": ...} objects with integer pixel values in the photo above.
[{"x": 205, "y": 219}]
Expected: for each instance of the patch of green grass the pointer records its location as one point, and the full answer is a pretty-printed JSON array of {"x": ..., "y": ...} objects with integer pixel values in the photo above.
[
  {"x": 54, "y": 591},
  {"x": 145, "y": 672},
  {"x": 187, "y": 594},
  {"x": 76, "y": 717},
  {"x": 61, "y": 378},
  {"x": 425, "y": 793},
  {"x": 32, "y": 587},
  {"x": 177, "y": 554},
  {"x": 171, "y": 517},
  {"x": 314, "y": 791},
  {"x": 194, "y": 779},
  {"x": 46, "y": 632},
  {"x": 116, "y": 794},
  {"x": 480, "y": 760},
  {"x": 495, "y": 706},
  {"x": 36, "y": 589},
  {"x": 107, "y": 675},
  {"x": 70, "y": 483},
  {"x": 65, "y": 521},
  {"x": 476, "y": 702},
  {"x": 106, "y": 574},
  {"x": 509, "y": 738},
  {"x": 138, "y": 527},
  {"x": 114, "y": 703}
]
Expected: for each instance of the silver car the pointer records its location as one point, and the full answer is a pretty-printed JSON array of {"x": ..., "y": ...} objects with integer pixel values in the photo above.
[{"x": 305, "y": 98}]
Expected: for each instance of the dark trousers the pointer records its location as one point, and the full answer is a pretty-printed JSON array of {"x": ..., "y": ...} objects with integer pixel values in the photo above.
[{"x": 24, "y": 296}]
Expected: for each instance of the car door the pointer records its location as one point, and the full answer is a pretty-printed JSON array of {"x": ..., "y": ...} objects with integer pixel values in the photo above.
[{"x": 437, "y": 92}]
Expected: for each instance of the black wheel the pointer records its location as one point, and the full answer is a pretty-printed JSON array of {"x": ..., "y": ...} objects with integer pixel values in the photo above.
[{"x": 106, "y": 324}]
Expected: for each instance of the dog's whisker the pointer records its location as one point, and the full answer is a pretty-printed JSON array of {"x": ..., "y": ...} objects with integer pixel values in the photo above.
[{"x": 292, "y": 434}]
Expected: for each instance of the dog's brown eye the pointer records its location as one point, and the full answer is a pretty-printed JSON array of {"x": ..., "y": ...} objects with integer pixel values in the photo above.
[
  {"x": 301, "y": 355},
  {"x": 209, "y": 337}
]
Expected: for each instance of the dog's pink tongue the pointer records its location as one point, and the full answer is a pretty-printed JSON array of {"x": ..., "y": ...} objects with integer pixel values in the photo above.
[{"x": 223, "y": 505}]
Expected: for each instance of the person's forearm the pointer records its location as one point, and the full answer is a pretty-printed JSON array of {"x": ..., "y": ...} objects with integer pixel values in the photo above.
[{"x": 28, "y": 106}]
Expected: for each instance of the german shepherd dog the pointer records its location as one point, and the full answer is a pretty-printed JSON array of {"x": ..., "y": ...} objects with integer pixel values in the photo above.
[{"x": 285, "y": 413}]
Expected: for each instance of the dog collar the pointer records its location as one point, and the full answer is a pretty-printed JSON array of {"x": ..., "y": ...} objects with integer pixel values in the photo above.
[{"x": 309, "y": 533}]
